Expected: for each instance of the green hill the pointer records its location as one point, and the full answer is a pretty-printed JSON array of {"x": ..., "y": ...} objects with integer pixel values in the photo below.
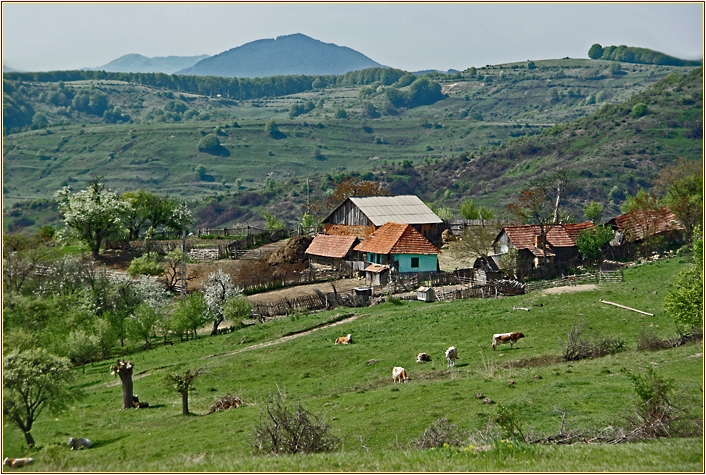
[
  {"x": 137, "y": 63},
  {"x": 351, "y": 386},
  {"x": 576, "y": 113}
]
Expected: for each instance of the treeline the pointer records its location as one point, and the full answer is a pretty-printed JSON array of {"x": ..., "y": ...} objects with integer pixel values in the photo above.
[
  {"x": 233, "y": 88},
  {"x": 633, "y": 54}
]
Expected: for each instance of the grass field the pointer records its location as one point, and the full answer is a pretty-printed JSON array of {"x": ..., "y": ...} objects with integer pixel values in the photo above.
[{"x": 377, "y": 419}]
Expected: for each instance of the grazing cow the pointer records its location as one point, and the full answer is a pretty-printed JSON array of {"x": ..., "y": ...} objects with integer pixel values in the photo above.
[
  {"x": 399, "y": 375},
  {"x": 344, "y": 340},
  {"x": 423, "y": 357},
  {"x": 17, "y": 463},
  {"x": 507, "y": 338},
  {"x": 79, "y": 443},
  {"x": 451, "y": 355}
]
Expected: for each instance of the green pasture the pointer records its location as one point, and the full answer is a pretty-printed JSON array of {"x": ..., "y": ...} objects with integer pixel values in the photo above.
[{"x": 376, "y": 418}]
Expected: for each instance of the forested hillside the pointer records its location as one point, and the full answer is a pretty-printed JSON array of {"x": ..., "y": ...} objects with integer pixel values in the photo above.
[{"x": 481, "y": 133}]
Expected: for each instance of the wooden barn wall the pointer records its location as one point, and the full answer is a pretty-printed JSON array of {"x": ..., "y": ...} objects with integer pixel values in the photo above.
[{"x": 349, "y": 214}]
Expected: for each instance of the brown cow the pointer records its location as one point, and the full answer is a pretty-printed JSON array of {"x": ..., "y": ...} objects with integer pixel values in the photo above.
[
  {"x": 507, "y": 338},
  {"x": 344, "y": 340},
  {"x": 399, "y": 375}
]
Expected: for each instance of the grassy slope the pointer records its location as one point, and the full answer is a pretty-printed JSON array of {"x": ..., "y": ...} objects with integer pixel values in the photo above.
[
  {"x": 360, "y": 400},
  {"x": 162, "y": 156}
]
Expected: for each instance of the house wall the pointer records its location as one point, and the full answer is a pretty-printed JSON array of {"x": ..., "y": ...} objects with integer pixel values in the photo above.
[
  {"x": 427, "y": 262},
  {"x": 348, "y": 214},
  {"x": 503, "y": 244}
]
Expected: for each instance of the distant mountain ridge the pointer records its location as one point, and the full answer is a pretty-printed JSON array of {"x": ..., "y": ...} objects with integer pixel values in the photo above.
[
  {"x": 285, "y": 55},
  {"x": 137, "y": 63}
]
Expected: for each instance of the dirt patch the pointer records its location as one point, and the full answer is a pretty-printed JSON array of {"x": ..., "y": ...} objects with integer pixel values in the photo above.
[
  {"x": 343, "y": 286},
  {"x": 569, "y": 289}
]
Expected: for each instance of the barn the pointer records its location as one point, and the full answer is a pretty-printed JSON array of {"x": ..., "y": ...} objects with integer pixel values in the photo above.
[
  {"x": 335, "y": 251},
  {"x": 361, "y": 216}
]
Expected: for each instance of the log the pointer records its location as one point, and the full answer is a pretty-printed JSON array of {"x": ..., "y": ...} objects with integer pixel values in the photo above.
[{"x": 627, "y": 308}]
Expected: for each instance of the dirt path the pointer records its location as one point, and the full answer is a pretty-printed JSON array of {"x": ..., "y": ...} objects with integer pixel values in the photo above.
[
  {"x": 283, "y": 339},
  {"x": 569, "y": 289}
]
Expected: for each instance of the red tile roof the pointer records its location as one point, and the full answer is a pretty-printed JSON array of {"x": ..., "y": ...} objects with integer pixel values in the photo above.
[
  {"x": 331, "y": 246},
  {"x": 573, "y": 230},
  {"x": 397, "y": 238},
  {"x": 638, "y": 224},
  {"x": 525, "y": 237}
]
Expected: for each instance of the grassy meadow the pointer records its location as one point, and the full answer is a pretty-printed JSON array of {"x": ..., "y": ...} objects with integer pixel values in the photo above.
[{"x": 376, "y": 419}]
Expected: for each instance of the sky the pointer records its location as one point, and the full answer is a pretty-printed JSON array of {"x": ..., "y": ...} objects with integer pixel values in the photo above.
[{"x": 410, "y": 36}]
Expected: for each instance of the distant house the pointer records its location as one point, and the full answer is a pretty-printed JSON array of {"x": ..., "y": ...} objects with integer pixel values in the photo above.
[
  {"x": 402, "y": 247},
  {"x": 638, "y": 225},
  {"x": 335, "y": 251},
  {"x": 635, "y": 227},
  {"x": 361, "y": 216},
  {"x": 526, "y": 240}
]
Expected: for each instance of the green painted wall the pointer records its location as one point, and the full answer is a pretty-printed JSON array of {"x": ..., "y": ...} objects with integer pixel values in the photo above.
[{"x": 427, "y": 262}]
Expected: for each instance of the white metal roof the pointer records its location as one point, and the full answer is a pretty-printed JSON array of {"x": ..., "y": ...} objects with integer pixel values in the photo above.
[{"x": 405, "y": 209}]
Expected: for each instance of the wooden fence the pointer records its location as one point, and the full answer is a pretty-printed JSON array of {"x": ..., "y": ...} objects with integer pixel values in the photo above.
[{"x": 320, "y": 301}]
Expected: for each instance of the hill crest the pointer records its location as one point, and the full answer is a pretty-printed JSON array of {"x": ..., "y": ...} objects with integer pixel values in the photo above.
[{"x": 284, "y": 55}]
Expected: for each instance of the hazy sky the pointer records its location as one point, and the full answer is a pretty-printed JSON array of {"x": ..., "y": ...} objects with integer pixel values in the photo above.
[{"x": 413, "y": 37}]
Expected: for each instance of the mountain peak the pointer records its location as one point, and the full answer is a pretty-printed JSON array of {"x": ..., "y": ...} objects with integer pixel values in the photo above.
[{"x": 284, "y": 55}]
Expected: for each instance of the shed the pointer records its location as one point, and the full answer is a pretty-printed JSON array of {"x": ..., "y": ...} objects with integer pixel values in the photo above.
[
  {"x": 334, "y": 251},
  {"x": 426, "y": 294},
  {"x": 376, "y": 274},
  {"x": 360, "y": 213}
]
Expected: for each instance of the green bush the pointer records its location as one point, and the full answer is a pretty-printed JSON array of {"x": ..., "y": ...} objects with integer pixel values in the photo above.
[
  {"x": 209, "y": 144},
  {"x": 145, "y": 265}
]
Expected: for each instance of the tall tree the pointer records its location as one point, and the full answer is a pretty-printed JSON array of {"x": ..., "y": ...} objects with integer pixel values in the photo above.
[
  {"x": 34, "y": 380},
  {"x": 346, "y": 188},
  {"x": 124, "y": 371},
  {"x": 685, "y": 300},
  {"x": 92, "y": 215},
  {"x": 534, "y": 207}
]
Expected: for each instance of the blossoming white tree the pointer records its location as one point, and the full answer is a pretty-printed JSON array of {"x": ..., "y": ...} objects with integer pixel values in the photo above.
[
  {"x": 93, "y": 215},
  {"x": 217, "y": 289}
]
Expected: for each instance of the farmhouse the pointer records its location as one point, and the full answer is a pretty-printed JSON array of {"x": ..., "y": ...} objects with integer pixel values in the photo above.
[
  {"x": 335, "y": 251},
  {"x": 635, "y": 227},
  {"x": 361, "y": 216},
  {"x": 401, "y": 247},
  {"x": 526, "y": 240}
]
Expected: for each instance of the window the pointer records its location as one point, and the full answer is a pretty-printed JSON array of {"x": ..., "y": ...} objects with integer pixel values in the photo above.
[{"x": 415, "y": 262}]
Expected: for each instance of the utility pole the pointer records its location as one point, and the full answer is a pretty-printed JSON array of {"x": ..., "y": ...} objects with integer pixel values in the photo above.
[{"x": 183, "y": 263}]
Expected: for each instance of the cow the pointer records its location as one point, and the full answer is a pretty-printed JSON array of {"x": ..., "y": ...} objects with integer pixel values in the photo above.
[
  {"x": 79, "y": 443},
  {"x": 399, "y": 375},
  {"x": 507, "y": 338},
  {"x": 451, "y": 355},
  {"x": 344, "y": 340},
  {"x": 423, "y": 357},
  {"x": 17, "y": 463}
]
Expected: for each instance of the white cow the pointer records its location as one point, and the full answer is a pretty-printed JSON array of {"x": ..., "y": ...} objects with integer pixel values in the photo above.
[
  {"x": 399, "y": 375},
  {"x": 451, "y": 355},
  {"x": 81, "y": 442}
]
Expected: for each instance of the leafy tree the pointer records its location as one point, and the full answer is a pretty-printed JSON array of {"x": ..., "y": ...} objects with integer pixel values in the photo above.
[
  {"x": 683, "y": 185},
  {"x": 271, "y": 222},
  {"x": 470, "y": 212},
  {"x": 217, "y": 289},
  {"x": 209, "y": 144},
  {"x": 200, "y": 172},
  {"x": 396, "y": 97},
  {"x": 615, "y": 68},
  {"x": 190, "y": 313},
  {"x": 93, "y": 215},
  {"x": 591, "y": 241},
  {"x": 477, "y": 240},
  {"x": 531, "y": 65},
  {"x": 346, "y": 188},
  {"x": 34, "y": 380},
  {"x": 340, "y": 113},
  {"x": 183, "y": 383},
  {"x": 685, "y": 300},
  {"x": 82, "y": 347},
  {"x": 593, "y": 211},
  {"x": 639, "y": 109},
  {"x": 595, "y": 52},
  {"x": 272, "y": 130},
  {"x": 424, "y": 91},
  {"x": 122, "y": 299},
  {"x": 172, "y": 268}
]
